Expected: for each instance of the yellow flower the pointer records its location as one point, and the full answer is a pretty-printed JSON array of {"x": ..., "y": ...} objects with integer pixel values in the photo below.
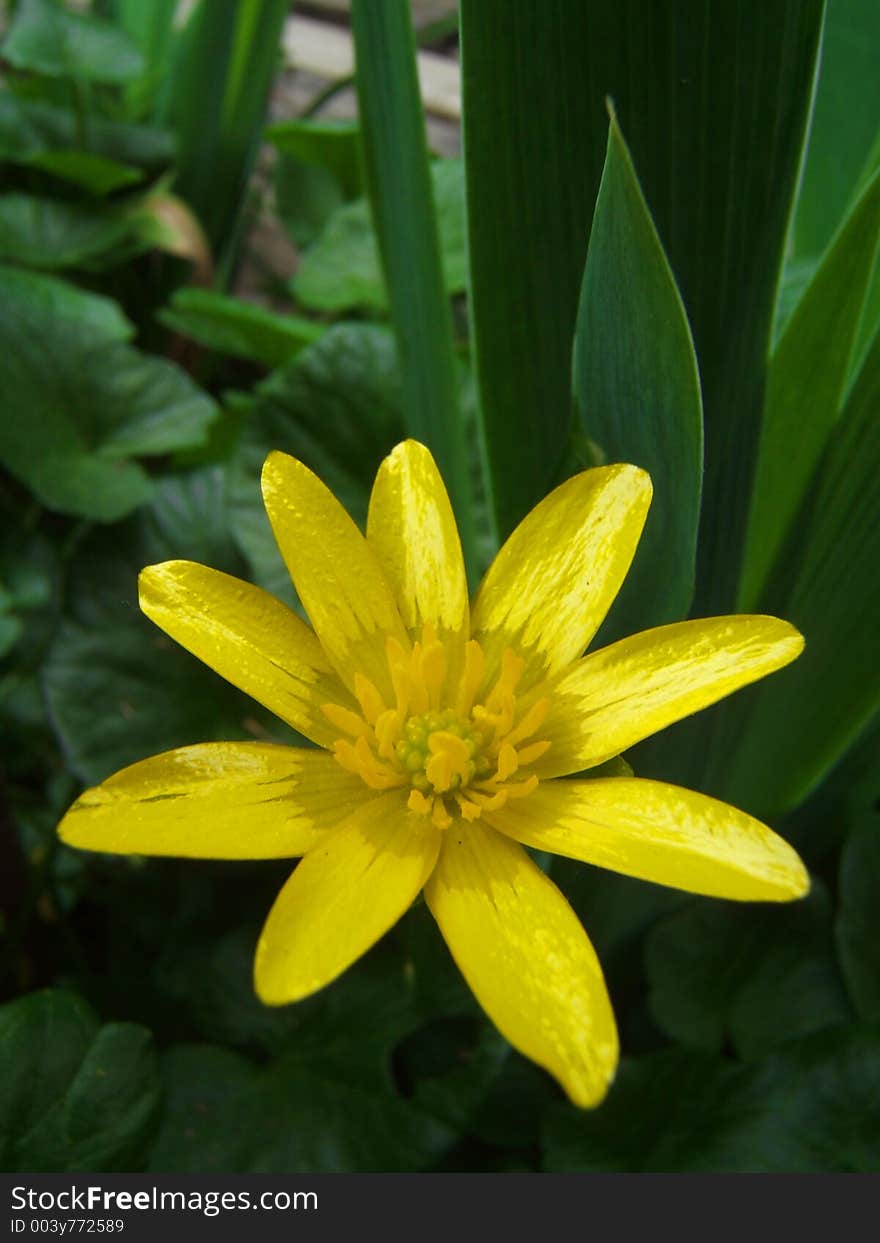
[{"x": 447, "y": 738}]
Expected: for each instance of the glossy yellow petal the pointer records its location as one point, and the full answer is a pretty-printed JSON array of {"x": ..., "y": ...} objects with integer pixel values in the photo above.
[
  {"x": 526, "y": 957},
  {"x": 412, "y": 529},
  {"x": 615, "y": 697},
  {"x": 549, "y": 588},
  {"x": 217, "y": 800},
  {"x": 658, "y": 832},
  {"x": 336, "y": 574},
  {"x": 248, "y": 637},
  {"x": 346, "y": 893}
]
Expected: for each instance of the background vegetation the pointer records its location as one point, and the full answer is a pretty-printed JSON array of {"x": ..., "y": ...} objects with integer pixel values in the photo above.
[{"x": 689, "y": 285}]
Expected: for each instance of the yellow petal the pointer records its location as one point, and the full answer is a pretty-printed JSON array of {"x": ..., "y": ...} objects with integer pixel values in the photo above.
[
  {"x": 549, "y": 588},
  {"x": 526, "y": 958},
  {"x": 217, "y": 800},
  {"x": 343, "y": 897},
  {"x": 412, "y": 529},
  {"x": 335, "y": 572},
  {"x": 615, "y": 697},
  {"x": 658, "y": 832},
  {"x": 248, "y": 637}
]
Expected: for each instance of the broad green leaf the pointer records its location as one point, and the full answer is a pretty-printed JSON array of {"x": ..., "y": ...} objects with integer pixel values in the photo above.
[
  {"x": 399, "y": 188},
  {"x": 719, "y": 193},
  {"x": 306, "y": 197},
  {"x": 814, "y": 1106},
  {"x": 327, "y": 1102},
  {"x": 211, "y": 1111},
  {"x": 750, "y": 977},
  {"x": 48, "y": 233},
  {"x": 338, "y": 407},
  {"x": 79, "y": 410},
  {"x": 342, "y": 270},
  {"x": 94, "y": 173},
  {"x": 32, "y": 132},
  {"x": 858, "y": 923},
  {"x": 806, "y": 384},
  {"x": 318, "y": 169},
  {"x": 215, "y": 100},
  {"x": 82, "y": 1096},
  {"x": 332, "y": 145},
  {"x": 637, "y": 390},
  {"x": 233, "y": 326},
  {"x": 45, "y": 37},
  {"x": 117, "y": 689},
  {"x": 845, "y": 121},
  {"x": 58, "y": 301},
  {"x": 687, "y": 1106},
  {"x": 803, "y": 720}
]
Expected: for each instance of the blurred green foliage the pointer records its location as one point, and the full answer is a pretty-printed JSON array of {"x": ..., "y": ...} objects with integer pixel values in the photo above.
[{"x": 634, "y": 294}]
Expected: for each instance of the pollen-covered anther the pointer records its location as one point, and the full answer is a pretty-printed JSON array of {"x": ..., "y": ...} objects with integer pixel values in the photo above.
[{"x": 455, "y": 747}]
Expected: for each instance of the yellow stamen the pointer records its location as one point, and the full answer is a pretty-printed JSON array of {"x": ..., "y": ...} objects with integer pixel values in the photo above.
[
  {"x": 346, "y": 720},
  {"x": 371, "y": 702},
  {"x": 454, "y": 761}
]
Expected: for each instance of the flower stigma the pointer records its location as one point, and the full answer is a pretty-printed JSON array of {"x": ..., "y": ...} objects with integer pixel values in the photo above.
[{"x": 461, "y": 749}]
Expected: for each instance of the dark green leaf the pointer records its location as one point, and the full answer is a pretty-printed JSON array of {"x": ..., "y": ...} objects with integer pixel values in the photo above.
[
  {"x": 232, "y": 326},
  {"x": 406, "y": 223},
  {"x": 813, "y": 1107},
  {"x": 46, "y": 38},
  {"x": 80, "y": 402},
  {"x": 637, "y": 390},
  {"x": 56, "y": 300},
  {"x": 46, "y": 233},
  {"x": 306, "y": 197},
  {"x": 117, "y": 688},
  {"x": 751, "y": 976},
  {"x": 806, "y": 384},
  {"x": 858, "y": 924},
  {"x": 83, "y": 1097},
  {"x": 211, "y": 1112},
  {"x": 343, "y": 269}
]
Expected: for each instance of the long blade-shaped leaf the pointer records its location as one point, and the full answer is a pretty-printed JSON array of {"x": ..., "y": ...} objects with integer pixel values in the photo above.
[
  {"x": 399, "y": 185},
  {"x": 805, "y": 387},
  {"x": 808, "y": 715},
  {"x": 217, "y": 100},
  {"x": 845, "y": 124},
  {"x": 637, "y": 390},
  {"x": 714, "y": 100}
]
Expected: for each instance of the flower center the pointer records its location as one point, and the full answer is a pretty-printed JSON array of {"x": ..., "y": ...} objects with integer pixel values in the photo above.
[{"x": 455, "y": 745}]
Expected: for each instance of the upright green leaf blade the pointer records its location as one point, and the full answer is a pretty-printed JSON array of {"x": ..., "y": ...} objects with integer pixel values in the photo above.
[
  {"x": 637, "y": 390},
  {"x": 713, "y": 99},
  {"x": 807, "y": 716},
  {"x": 805, "y": 387},
  {"x": 399, "y": 184},
  {"x": 845, "y": 122},
  {"x": 217, "y": 100}
]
